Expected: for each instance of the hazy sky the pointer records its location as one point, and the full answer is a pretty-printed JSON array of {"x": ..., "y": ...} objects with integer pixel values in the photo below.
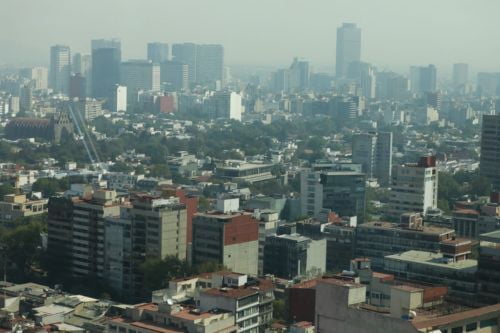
[{"x": 395, "y": 33}]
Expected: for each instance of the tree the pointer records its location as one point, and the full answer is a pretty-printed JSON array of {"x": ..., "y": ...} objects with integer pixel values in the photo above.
[
  {"x": 279, "y": 309},
  {"x": 158, "y": 272},
  {"x": 6, "y": 189},
  {"x": 21, "y": 246},
  {"x": 480, "y": 186},
  {"x": 50, "y": 186},
  {"x": 160, "y": 170},
  {"x": 120, "y": 167}
]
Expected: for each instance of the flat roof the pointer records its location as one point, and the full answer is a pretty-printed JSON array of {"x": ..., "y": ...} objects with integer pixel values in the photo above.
[
  {"x": 434, "y": 259},
  {"x": 397, "y": 226},
  {"x": 456, "y": 317},
  {"x": 493, "y": 236}
]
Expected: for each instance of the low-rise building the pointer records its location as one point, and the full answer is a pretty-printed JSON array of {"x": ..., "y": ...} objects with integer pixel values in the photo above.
[
  {"x": 17, "y": 206},
  {"x": 375, "y": 240},
  {"x": 241, "y": 171}
]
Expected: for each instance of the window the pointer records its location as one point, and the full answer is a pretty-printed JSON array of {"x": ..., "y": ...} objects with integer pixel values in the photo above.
[
  {"x": 489, "y": 322},
  {"x": 457, "y": 330},
  {"x": 471, "y": 327}
]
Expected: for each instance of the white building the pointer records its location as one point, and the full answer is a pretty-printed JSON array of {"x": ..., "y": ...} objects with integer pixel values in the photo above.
[
  {"x": 226, "y": 105},
  {"x": 120, "y": 98},
  {"x": 414, "y": 187}
]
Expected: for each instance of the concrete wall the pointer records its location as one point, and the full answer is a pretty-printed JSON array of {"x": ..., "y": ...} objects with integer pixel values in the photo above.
[{"x": 242, "y": 257}]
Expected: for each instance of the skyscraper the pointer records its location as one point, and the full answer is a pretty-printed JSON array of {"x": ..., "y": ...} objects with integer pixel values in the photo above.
[
  {"x": 299, "y": 75},
  {"x": 175, "y": 74},
  {"x": 157, "y": 52},
  {"x": 428, "y": 78},
  {"x": 105, "y": 71},
  {"x": 374, "y": 152},
  {"x": 348, "y": 47},
  {"x": 139, "y": 75},
  {"x": 423, "y": 79},
  {"x": 210, "y": 63},
  {"x": 186, "y": 54},
  {"x": 460, "y": 75},
  {"x": 112, "y": 43},
  {"x": 60, "y": 68},
  {"x": 364, "y": 75},
  {"x": 490, "y": 150}
]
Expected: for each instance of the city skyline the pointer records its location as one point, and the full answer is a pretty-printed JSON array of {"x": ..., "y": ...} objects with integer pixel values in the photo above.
[{"x": 393, "y": 44}]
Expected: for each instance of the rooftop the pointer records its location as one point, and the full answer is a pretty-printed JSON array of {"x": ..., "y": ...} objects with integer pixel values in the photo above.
[
  {"x": 434, "y": 259},
  {"x": 493, "y": 236},
  {"x": 396, "y": 226}
]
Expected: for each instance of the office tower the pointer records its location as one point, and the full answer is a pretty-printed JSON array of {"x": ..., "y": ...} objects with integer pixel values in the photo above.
[
  {"x": 489, "y": 164},
  {"x": 281, "y": 80},
  {"x": 60, "y": 68},
  {"x": 294, "y": 256},
  {"x": 38, "y": 75},
  {"x": 14, "y": 105},
  {"x": 434, "y": 99},
  {"x": 139, "y": 75},
  {"x": 488, "y": 84},
  {"x": 105, "y": 71},
  {"x": 460, "y": 75},
  {"x": 423, "y": 79},
  {"x": 428, "y": 78},
  {"x": 119, "y": 98},
  {"x": 82, "y": 63},
  {"x": 112, "y": 43},
  {"x": 210, "y": 64},
  {"x": 175, "y": 75},
  {"x": 299, "y": 75},
  {"x": 157, "y": 52},
  {"x": 364, "y": 75},
  {"x": 374, "y": 152},
  {"x": 77, "y": 86},
  {"x": 225, "y": 105},
  {"x": 348, "y": 47},
  {"x": 25, "y": 98},
  {"x": 392, "y": 86},
  {"x": 414, "y": 187},
  {"x": 231, "y": 239},
  {"x": 186, "y": 54}
]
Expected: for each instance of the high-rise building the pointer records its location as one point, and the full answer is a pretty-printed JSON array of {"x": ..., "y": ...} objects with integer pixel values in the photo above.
[
  {"x": 460, "y": 75},
  {"x": 82, "y": 63},
  {"x": 423, "y": 79},
  {"x": 38, "y": 75},
  {"x": 226, "y": 105},
  {"x": 489, "y": 164},
  {"x": 119, "y": 98},
  {"x": 374, "y": 152},
  {"x": 175, "y": 75},
  {"x": 392, "y": 86},
  {"x": 93, "y": 234},
  {"x": 210, "y": 63},
  {"x": 187, "y": 54},
  {"x": 105, "y": 71},
  {"x": 488, "y": 273},
  {"x": 348, "y": 47},
  {"x": 428, "y": 78},
  {"x": 112, "y": 43},
  {"x": 414, "y": 187},
  {"x": 157, "y": 52},
  {"x": 231, "y": 239},
  {"x": 364, "y": 75},
  {"x": 77, "y": 86},
  {"x": 299, "y": 75},
  {"x": 60, "y": 68},
  {"x": 139, "y": 75},
  {"x": 488, "y": 84}
]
